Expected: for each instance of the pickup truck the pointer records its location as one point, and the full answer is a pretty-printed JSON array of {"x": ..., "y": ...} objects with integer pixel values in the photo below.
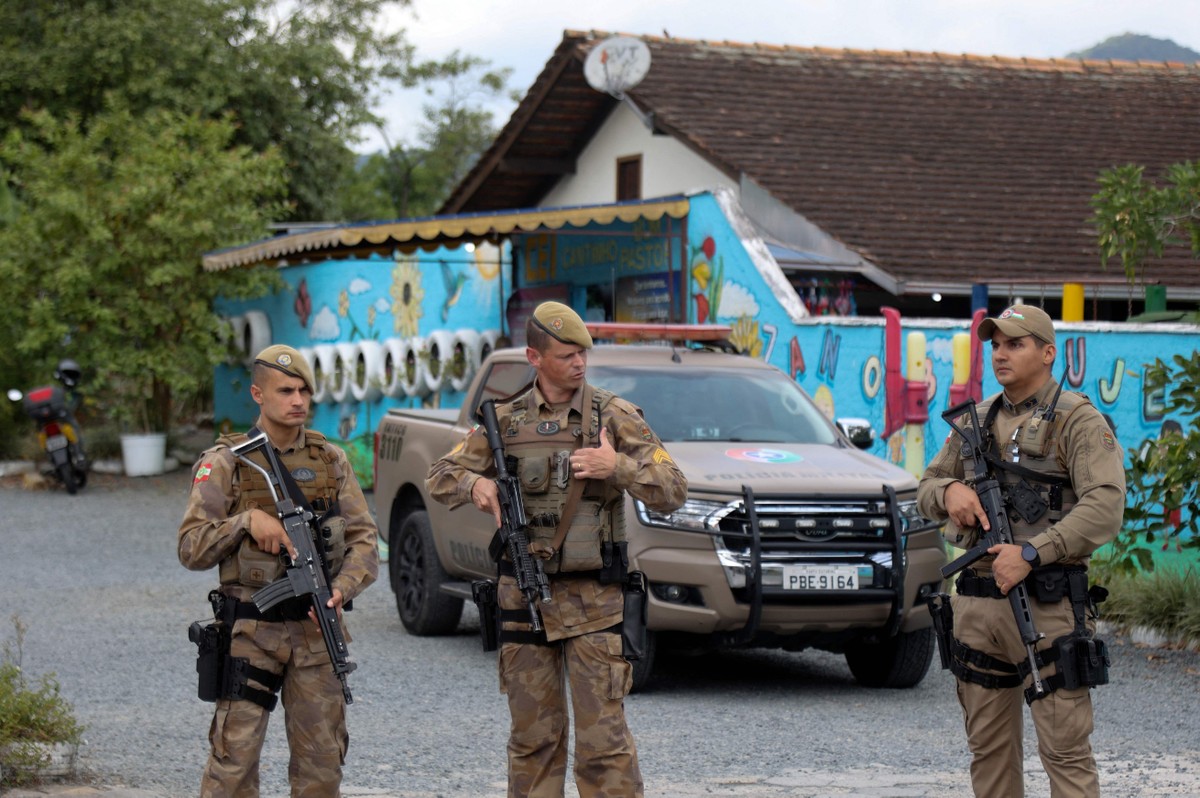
[{"x": 838, "y": 559}]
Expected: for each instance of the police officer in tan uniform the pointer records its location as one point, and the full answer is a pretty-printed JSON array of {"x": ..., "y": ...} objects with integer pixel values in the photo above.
[
  {"x": 231, "y": 523},
  {"x": 563, "y": 431},
  {"x": 1062, "y": 476}
]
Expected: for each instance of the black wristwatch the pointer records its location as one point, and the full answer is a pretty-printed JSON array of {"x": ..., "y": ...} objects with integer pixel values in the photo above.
[{"x": 1030, "y": 554}]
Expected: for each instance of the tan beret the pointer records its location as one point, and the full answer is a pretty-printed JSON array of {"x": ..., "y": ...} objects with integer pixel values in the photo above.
[
  {"x": 1017, "y": 321},
  {"x": 563, "y": 324},
  {"x": 289, "y": 361}
]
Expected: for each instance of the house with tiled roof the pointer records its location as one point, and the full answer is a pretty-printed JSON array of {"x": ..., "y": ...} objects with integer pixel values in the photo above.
[{"x": 914, "y": 174}]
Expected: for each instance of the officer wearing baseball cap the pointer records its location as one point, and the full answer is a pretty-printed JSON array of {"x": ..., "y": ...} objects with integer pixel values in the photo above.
[
  {"x": 231, "y": 521},
  {"x": 1061, "y": 473},
  {"x": 1017, "y": 321}
]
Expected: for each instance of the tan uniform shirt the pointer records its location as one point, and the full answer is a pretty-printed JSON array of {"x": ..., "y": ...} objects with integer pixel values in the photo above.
[
  {"x": 209, "y": 533},
  {"x": 1086, "y": 450},
  {"x": 643, "y": 469}
]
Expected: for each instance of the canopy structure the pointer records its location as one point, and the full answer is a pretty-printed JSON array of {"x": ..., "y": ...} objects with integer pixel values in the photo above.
[{"x": 356, "y": 240}]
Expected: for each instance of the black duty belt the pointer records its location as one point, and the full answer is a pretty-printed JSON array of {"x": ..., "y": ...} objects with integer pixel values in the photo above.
[{"x": 1046, "y": 584}]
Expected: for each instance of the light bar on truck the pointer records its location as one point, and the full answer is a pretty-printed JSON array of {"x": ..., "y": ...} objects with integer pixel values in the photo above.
[{"x": 626, "y": 331}]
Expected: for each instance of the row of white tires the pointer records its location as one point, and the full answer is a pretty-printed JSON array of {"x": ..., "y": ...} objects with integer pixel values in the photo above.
[{"x": 363, "y": 371}]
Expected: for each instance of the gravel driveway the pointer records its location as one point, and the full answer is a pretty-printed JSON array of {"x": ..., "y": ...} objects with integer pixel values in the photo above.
[{"x": 95, "y": 579}]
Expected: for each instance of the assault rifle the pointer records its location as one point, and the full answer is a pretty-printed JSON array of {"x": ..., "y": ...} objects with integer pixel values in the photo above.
[
  {"x": 308, "y": 573},
  {"x": 988, "y": 489},
  {"x": 513, "y": 534}
]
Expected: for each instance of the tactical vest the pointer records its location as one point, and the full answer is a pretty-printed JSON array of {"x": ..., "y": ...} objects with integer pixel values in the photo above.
[
  {"x": 542, "y": 451},
  {"x": 312, "y": 468},
  {"x": 1037, "y": 491}
]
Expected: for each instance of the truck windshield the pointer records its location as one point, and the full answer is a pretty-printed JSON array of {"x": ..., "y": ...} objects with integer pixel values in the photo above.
[{"x": 718, "y": 404}]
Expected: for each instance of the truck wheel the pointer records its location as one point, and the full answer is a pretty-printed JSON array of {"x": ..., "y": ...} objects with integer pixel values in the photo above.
[
  {"x": 642, "y": 668},
  {"x": 416, "y": 577},
  {"x": 899, "y": 662}
]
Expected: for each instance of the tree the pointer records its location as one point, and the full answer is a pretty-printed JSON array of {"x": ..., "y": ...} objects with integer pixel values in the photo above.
[
  {"x": 1136, "y": 219},
  {"x": 414, "y": 179},
  {"x": 105, "y": 246},
  {"x": 298, "y": 75}
]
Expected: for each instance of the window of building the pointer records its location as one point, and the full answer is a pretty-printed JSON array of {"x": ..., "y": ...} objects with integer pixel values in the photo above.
[{"x": 629, "y": 178}]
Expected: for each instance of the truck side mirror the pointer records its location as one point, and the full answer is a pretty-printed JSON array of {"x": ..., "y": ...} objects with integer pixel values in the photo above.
[{"x": 858, "y": 430}]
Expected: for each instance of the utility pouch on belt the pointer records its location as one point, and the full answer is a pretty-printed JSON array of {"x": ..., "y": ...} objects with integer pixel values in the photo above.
[
  {"x": 483, "y": 591},
  {"x": 943, "y": 625},
  {"x": 614, "y": 559},
  {"x": 634, "y": 639},
  {"x": 213, "y": 644}
]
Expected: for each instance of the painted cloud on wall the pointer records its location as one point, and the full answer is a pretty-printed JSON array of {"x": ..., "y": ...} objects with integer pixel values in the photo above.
[
  {"x": 737, "y": 301},
  {"x": 325, "y": 326},
  {"x": 359, "y": 286}
]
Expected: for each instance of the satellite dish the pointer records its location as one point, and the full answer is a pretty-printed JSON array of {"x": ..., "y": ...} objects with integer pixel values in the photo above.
[{"x": 617, "y": 64}]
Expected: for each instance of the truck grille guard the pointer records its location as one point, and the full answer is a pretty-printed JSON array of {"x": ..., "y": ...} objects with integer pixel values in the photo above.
[{"x": 752, "y": 532}]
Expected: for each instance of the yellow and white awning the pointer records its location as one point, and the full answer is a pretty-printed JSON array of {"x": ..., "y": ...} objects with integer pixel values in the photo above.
[{"x": 355, "y": 240}]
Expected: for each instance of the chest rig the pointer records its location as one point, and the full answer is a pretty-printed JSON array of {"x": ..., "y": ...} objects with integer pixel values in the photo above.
[
  {"x": 542, "y": 451},
  {"x": 312, "y": 469},
  {"x": 1037, "y": 490}
]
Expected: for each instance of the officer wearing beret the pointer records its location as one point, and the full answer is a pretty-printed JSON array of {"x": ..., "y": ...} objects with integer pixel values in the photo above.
[
  {"x": 611, "y": 451},
  {"x": 230, "y": 523},
  {"x": 1062, "y": 475}
]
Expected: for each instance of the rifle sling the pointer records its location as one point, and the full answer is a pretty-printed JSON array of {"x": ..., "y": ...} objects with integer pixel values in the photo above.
[{"x": 576, "y": 491}]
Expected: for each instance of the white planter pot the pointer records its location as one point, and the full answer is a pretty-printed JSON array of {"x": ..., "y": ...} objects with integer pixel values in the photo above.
[{"x": 144, "y": 455}]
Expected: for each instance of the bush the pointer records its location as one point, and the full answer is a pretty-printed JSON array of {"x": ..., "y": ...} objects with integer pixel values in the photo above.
[
  {"x": 1167, "y": 601},
  {"x": 32, "y": 716}
]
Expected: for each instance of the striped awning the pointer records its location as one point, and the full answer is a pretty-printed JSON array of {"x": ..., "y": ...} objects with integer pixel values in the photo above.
[{"x": 354, "y": 240}]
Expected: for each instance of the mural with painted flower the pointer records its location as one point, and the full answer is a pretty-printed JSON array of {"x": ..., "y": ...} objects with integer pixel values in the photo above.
[
  {"x": 708, "y": 298},
  {"x": 407, "y": 296},
  {"x": 739, "y": 304}
]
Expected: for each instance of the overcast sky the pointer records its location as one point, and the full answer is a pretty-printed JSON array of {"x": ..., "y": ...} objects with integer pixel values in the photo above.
[{"x": 522, "y": 34}]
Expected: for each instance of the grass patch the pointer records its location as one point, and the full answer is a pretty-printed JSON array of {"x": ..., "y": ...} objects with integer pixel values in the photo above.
[{"x": 1166, "y": 600}]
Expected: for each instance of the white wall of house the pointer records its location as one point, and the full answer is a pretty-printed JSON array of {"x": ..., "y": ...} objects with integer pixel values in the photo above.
[{"x": 668, "y": 167}]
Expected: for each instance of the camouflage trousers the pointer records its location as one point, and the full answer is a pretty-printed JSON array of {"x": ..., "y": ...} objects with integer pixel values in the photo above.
[
  {"x": 535, "y": 678},
  {"x": 994, "y": 717},
  {"x": 314, "y": 715}
]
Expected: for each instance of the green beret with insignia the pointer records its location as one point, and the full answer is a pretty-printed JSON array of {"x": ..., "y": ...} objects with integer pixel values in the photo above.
[
  {"x": 289, "y": 361},
  {"x": 562, "y": 324}
]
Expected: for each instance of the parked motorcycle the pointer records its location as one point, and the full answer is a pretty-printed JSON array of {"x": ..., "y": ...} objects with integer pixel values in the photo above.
[{"x": 58, "y": 433}]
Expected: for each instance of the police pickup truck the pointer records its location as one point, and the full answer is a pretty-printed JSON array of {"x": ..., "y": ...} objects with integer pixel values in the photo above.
[{"x": 791, "y": 536}]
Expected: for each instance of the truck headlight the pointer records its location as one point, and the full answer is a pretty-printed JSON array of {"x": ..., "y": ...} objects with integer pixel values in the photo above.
[
  {"x": 695, "y": 514},
  {"x": 911, "y": 520}
]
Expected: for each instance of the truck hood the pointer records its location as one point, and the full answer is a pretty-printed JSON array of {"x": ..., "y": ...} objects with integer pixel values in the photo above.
[{"x": 723, "y": 467}]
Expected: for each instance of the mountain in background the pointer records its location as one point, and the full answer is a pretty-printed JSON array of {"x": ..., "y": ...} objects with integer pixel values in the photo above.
[{"x": 1136, "y": 47}]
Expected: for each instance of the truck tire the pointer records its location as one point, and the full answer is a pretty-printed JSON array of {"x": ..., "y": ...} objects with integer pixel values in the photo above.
[
  {"x": 416, "y": 578},
  {"x": 899, "y": 662}
]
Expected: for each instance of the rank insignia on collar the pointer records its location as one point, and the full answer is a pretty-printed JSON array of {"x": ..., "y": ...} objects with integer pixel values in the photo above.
[{"x": 547, "y": 428}]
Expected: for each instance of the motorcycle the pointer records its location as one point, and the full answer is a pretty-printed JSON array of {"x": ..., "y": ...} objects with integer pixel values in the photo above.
[{"x": 59, "y": 435}]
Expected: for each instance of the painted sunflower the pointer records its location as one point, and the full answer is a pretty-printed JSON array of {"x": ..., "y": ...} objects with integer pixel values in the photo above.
[
  {"x": 745, "y": 337},
  {"x": 407, "y": 296}
]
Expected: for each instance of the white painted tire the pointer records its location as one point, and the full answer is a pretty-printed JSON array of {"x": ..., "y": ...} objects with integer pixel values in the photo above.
[
  {"x": 391, "y": 370},
  {"x": 369, "y": 387},
  {"x": 324, "y": 357},
  {"x": 487, "y": 343},
  {"x": 412, "y": 367},
  {"x": 256, "y": 335},
  {"x": 439, "y": 348},
  {"x": 342, "y": 376},
  {"x": 466, "y": 341}
]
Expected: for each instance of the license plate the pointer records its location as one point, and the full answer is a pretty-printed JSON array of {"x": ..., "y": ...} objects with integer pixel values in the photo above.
[
  {"x": 56, "y": 442},
  {"x": 820, "y": 577}
]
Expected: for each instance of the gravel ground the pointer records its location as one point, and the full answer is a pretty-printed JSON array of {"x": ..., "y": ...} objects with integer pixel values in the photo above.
[{"x": 95, "y": 579}]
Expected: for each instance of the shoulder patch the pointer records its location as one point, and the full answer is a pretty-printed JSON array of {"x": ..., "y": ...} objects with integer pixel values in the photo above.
[
  {"x": 202, "y": 473},
  {"x": 1108, "y": 441}
]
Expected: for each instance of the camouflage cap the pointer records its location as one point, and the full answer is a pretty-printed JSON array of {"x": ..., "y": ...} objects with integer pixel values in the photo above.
[
  {"x": 1017, "y": 321},
  {"x": 289, "y": 361},
  {"x": 562, "y": 324}
]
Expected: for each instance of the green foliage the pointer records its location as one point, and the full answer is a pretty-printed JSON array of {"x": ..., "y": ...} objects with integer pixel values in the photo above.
[
  {"x": 296, "y": 75},
  {"x": 1167, "y": 601},
  {"x": 1163, "y": 477},
  {"x": 1136, "y": 219},
  {"x": 105, "y": 249},
  {"x": 415, "y": 179},
  {"x": 32, "y": 714}
]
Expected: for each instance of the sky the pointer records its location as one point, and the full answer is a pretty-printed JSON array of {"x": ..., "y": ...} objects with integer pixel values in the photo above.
[{"x": 522, "y": 34}]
